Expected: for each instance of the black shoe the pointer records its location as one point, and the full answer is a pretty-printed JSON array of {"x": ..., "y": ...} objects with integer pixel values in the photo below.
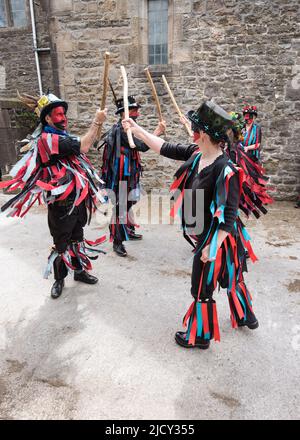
[
  {"x": 251, "y": 322},
  {"x": 133, "y": 236},
  {"x": 203, "y": 344},
  {"x": 85, "y": 277},
  {"x": 120, "y": 249},
  {"x": 57, "y": 289}
]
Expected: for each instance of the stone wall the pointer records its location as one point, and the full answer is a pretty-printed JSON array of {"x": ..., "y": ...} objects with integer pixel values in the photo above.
[
  {"x": 229, "y": 50},
  {"x": 18, "y": 72},
  {"x": 14, "y": 126},
  {"x": 17, "y": 62},
  {"x": 233, "y": 51}
]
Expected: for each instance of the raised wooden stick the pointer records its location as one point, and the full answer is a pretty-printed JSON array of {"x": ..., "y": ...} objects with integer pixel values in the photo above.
[
  {"x": 154, "y": 94},
  {"x": 105, "y": 84},
  {"x": 125, "y": 101},
  {"x": 187, "y": 126}
]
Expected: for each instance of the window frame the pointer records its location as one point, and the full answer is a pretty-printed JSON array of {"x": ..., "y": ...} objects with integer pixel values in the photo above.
[
  {"x": 162, "y": 54},
  {"x": 9, "y": 17}
]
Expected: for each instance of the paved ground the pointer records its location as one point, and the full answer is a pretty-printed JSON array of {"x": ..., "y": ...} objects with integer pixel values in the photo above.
[{"x": 107, "y": 351}]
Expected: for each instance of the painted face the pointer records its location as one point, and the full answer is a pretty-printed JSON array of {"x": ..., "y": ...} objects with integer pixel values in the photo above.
[
  {"x": 196, "y": 132},
  {"x": 59, "y": 118},
  {"x": 134, "y": 113},
  {"x": 248, "y": 117},
  {"x": 196, "y": 136}
]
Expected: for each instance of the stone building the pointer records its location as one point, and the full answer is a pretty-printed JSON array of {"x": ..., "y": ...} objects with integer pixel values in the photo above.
[{"x": 233, "y": 51}]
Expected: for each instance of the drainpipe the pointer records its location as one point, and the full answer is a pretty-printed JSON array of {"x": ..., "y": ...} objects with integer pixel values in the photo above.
[{"x": 35, "y": 48}]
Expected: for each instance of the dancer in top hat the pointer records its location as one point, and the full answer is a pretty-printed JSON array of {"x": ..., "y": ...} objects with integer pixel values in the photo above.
[
  {"x": 252, "y": 133},
  {"x": 55, "y": 170},
  {"x": 221, "y": 245},
  {"x": 121, "y": 171},
  {"x": 254, "y": 196}
]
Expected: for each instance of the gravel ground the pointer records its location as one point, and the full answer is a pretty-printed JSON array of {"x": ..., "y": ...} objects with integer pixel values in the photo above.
[{"x": 108, "y": 352}]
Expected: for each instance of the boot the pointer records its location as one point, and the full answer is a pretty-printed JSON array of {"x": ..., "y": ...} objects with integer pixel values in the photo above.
[
  {"x": 120, "y": 249},
  {"x": 132, "y": 235},
  {"x": 57, "y": 288},
  {"x": 180, "y": 338},
  {"x": 251, "y": 322},
  {"x": 85, "y": 277}
]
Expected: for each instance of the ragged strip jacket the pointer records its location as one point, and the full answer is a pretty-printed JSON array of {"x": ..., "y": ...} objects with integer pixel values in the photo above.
[
  {"x": 230, "y": 259},
  {"x": 42, "y": 178},
  {"x": 121, "y": 163}
]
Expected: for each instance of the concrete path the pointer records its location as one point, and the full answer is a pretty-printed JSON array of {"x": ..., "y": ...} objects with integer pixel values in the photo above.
[{"x": 108, "y": 351}]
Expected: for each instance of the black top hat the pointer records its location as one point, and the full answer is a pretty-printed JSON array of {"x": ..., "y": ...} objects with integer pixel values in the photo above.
[
  {"x": 47, "y": 103},
  {"x": 252, "y": 110},
  {"x": 212, "y": 119},
  {"x": 131, "y": 104}
]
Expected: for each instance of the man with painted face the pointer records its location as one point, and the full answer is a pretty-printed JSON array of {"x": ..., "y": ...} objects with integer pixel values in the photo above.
[
  {"x": 121, "y": 171},
  {"x": 251, "y": 133},
  {"x": 56, "y": 170}
]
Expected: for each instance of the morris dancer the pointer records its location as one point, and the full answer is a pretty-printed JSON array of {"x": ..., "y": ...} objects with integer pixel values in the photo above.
[
  {"x": 252, "y": 133},
  {"x": 220, "y": 249},
  {"x": 56, "y": 170},
  {"x": 121, "y": 168},
  {"x": 254, "y": 195}
]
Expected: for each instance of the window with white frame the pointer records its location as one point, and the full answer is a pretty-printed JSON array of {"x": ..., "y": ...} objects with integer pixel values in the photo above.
[
  {"x": 158, "y": 31},
  {"x": 13, "y": 13}
]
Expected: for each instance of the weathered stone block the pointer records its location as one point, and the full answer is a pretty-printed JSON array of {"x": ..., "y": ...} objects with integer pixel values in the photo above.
[
  {"x": 2, "y": 77},
  {"x": 59, "y": 6},
  {"x": 181, "y": 54},
  {"x": 64, "y": 43},
  {"x": 92, "y": 6},
  {"x": 293, "y": 90}
]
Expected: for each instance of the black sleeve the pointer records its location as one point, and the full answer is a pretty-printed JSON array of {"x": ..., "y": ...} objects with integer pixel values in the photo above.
[
  {"x": 177, "y": 151},
  {"x": 68, "y": 146},
  {"x": 140, "y": 145},
  {"x": 231, "y": 208}
]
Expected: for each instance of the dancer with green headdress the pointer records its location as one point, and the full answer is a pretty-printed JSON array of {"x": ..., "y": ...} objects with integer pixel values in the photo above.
[{"x": 221, "y": 243}]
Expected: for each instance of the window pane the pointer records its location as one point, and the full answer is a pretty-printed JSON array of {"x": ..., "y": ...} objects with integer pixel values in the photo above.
[
  {"x": 18, "y": 11},
  {"x": 158, "y": 31},
  {"x": 3, "y": 21},
  {"x": 164, "y": 56}
]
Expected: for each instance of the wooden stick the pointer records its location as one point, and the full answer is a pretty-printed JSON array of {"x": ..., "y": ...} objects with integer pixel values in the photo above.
[
  {"x": 187, "y": 126},
  {"x": 105, "y": 84},
  {"x": 125, "y": 100},
  {"x": 154, "y": 94}
]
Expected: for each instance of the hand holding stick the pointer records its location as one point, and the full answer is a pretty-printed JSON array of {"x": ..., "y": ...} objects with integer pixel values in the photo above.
[
  {"x": 125, "y": 100},
  {"x": 187, "y": 126}
]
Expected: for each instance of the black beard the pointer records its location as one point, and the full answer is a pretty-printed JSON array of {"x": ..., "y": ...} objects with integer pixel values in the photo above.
[{"x": 59, "y": 126}]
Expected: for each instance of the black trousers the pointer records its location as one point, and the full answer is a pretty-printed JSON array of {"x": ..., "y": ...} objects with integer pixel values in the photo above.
[
  {"x": 119, "y": 226},
  {"x": 201, "y": 270},
  {"x": 198, "y": 268},
  {"x": 66, "y": 229}
]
